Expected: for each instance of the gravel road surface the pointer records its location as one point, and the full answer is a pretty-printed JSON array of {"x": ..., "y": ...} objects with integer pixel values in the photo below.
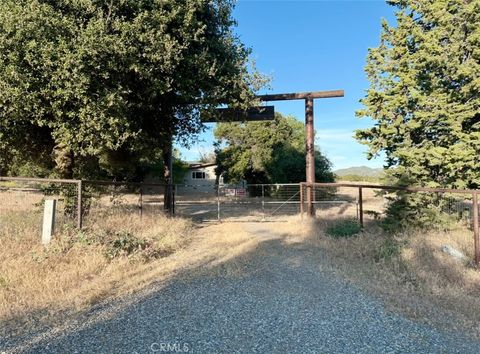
[{"x": 277, "y": 299}]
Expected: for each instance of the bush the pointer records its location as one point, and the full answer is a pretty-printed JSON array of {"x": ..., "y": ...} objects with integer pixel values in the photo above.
[
  {"x": 124, "y": 244},
  {"x": 345, "y": 228},
  {"x": 416, "y": 211}
]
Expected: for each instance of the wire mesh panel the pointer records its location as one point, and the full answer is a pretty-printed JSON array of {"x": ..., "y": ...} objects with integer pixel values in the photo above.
[
  {"x": 22, "y": 205},
  {"x": 281, "y": 200},
  {"x": 242, "y": 202},
  {"x": 371, "y": 202},
  {"x": 102, "y": 199},
  {"x": 250, "y": 202},
  {"x": 334, "y": 202},
  {"x": 199, "y": 202}
]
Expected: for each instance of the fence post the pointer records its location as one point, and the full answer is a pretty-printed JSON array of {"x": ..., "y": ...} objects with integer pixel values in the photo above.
[
  {"x": 141, "y": 200},
  {"x": 79, "y": 205},
  {"x": 218, "y": 202},
  {"x": 301, "y": 200},
  {"x": 360, "y": 205},
  {"x": 48, "y": 220},
  {"x": 476, "y": 236},
  {"x": 263, "y": 201}
]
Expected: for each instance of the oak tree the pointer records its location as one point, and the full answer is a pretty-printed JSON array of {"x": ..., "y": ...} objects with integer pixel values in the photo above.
[
  {"x": 266, "y": 152},
  {"x": 100, "y": 85}
]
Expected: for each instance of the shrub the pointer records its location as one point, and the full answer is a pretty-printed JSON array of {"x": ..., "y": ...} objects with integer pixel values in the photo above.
[
  {"x": 345, "y": 228},
  {"x": 124, "y": 244},
  {"x": 417, "y": 211}
]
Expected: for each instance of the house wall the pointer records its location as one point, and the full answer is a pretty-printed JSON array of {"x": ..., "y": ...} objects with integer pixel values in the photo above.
[{"x": 196, "y": 185}]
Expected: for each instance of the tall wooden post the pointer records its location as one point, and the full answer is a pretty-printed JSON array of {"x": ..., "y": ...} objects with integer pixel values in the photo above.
[
  {"x": 309, "y": 134},
  {"x": 310, "y": 154}
]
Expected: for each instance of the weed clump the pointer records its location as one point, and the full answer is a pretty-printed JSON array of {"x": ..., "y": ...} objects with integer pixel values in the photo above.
[
  {"x": 344, "y": 228},
  {"x": 388, "y": 249}
]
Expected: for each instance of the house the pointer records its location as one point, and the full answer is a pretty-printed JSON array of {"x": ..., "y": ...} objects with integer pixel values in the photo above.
[{"x": 200, "y": 177}]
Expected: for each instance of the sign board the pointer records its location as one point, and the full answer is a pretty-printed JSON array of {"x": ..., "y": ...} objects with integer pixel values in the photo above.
[
  {"x": 240, "y": 192},
  {"x": 235, "y": 192}
]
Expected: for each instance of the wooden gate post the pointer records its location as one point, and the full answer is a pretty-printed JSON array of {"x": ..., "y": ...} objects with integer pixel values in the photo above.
[
  {"x": 476, "y": 236},
  {"x": 301, "y": 200},
  {"x": 360, "y": 206},
  {"x": 79, "y": 205}
]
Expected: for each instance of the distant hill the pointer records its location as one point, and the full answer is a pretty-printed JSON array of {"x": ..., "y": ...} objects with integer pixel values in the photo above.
[{"x": 363, "y": 171}]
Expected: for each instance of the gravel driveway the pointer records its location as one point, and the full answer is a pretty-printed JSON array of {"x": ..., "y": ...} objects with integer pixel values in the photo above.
[{"x": 278, "y": 299}]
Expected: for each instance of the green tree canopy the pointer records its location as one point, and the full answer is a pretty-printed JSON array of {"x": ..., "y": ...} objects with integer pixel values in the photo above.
[
  {"x": 424, "y": 94},
  {"x": 266, "y": 152},
  {"x": 95, "y": 84}
]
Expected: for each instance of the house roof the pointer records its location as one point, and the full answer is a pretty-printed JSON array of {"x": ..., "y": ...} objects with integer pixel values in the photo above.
[{"x": 197, "y": 164}]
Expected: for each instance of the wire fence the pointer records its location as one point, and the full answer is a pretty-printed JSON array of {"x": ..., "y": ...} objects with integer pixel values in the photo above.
[
  {"x": 245, "y": 202},
  {"x": 106, "y": 198},
  {"x": 367, "y": 203},
  {"x": 84, "y": 201},
  {"x": 22, "y": 200},
  {"x": 78, "y": 202}
]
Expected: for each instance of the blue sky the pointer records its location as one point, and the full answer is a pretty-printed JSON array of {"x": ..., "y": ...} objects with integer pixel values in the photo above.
[{"x": 313, "y": 46}]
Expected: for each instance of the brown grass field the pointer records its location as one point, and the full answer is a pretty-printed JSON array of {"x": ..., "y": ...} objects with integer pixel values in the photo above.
[
  {"x": 112, "y": 256},
  {"x": 418, "y": 279}
]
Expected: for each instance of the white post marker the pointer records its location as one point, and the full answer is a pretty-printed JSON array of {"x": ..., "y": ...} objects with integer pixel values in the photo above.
[{"x": 48, "y": 220}]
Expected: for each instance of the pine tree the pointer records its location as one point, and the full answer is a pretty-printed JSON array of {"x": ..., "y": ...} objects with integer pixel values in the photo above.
[{"x": 424, "y": 94}]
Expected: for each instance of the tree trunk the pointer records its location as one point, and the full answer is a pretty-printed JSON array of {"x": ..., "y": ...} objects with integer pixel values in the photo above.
[
  {"x": 64, "y": 160},
  {"x": 168, "y": 177}
]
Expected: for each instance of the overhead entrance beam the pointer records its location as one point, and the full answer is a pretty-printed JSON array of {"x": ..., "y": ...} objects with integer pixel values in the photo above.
[{"x": 301, "y": 95}]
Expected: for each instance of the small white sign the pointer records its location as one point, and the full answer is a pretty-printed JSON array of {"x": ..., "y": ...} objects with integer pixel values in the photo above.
[{"x": 230, "y": 192}]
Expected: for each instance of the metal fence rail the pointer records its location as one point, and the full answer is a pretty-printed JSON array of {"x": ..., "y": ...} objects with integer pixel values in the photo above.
[{"x": 81, "y": 199}]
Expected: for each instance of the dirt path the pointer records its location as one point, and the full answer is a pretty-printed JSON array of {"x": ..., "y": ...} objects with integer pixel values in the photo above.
[{"x": 249, "y": 287}]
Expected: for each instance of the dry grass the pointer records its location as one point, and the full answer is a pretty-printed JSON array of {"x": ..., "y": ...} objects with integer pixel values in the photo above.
[
  {"x": 78, "y": 269},
  {"x": 410, "y": 272},
  {"x": 113, "y": 255}
]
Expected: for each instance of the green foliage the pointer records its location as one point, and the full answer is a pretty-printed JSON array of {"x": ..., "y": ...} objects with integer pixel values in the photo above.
[
  {"x": 416, "y": 210},
  {"x": 101, "y": 87},
  {"x": 266, "y": 152},
  {"x": 344, "y": 228},
  {"x": 424, "y": 94},
  {"x": 121, "y": 244},
  {"x": 388, "y": 249},
  {"x": 124, "y": 244},
  {"x": 179, "y": 167}
]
